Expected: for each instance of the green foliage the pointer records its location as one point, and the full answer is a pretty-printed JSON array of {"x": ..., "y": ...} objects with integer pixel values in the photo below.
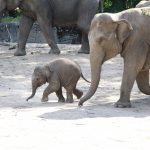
[
  {"x": 11, "y": 16},
  {"x": 119, "y": 5},
  {"x": 107, "y": 5},
  {"x": 10, "y": 19}
]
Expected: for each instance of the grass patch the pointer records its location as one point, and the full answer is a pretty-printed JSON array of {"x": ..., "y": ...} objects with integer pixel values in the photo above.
[{"x": 10, "y": 19}]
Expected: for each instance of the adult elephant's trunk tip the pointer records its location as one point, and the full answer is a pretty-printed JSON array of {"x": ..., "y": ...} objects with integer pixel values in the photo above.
[
  {"x": 82, "y": 100},
  {"x": 88, "y": 95},
  {"x": 92, "y": 89},
  {"x": 80, "y": 104}
]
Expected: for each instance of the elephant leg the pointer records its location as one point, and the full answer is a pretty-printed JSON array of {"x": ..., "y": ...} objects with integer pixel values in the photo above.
[
  {"x": 52, "y": 87},
  {"x": 83, "y": 23},
  {"x": 47, "y": 30},
  {"x": 60, "y": 95},
  {"x": 24, "y": 30},
  {"x": 46, "y": 92},
  {"x": 78, "y": 93},
  {"x": 129, "y": 76},
  {"x": 134, "y": 61},
  {"x": 69, "y": 90},
  {"x": 69, "y": 97},
  {"x": 84, "y": 44},
  {"x": 132, "y": 66},
  {"x": 142, "y": 80}
]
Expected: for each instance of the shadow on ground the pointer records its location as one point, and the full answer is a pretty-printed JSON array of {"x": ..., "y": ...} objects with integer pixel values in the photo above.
[{"x": 140, "y": 108}]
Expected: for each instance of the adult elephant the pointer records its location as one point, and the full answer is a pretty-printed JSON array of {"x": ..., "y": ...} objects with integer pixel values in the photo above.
[
  {"x": 49, "y": 13},
  {"x": 143, "y": 3},
  {"x": 126, "y": 33}
]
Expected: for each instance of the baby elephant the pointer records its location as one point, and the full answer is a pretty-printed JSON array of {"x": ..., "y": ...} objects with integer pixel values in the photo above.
[{"x": 58, "y": 73}]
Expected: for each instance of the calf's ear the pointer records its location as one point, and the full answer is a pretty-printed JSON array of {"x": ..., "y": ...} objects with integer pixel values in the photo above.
[
  {"x": 48, "y": 70},
  {"x": 123, "y": 29}
]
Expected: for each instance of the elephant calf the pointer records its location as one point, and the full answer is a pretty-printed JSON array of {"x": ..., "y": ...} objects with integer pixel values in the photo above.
[{"x": 58, "y": 73}]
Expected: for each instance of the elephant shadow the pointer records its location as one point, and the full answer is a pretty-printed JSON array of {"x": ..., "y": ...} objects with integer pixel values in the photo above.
[
  {"x": 30, "y": 105},
  {"x": 140, "y": 109}
]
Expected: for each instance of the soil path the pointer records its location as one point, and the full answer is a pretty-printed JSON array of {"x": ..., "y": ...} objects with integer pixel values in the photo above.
[{"x": 95, "y": 126}]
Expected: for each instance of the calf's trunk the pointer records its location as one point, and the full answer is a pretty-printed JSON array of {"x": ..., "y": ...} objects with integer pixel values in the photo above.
[{"x": 33, "y": 92}]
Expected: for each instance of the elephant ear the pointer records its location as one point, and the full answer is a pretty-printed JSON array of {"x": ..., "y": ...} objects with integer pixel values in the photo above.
[
  {"x": 49, "y": 71},
  {"x": 124, "y": 29}
]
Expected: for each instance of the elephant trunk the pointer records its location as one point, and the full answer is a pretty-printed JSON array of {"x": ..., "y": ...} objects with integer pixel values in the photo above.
[
  {"x": 96, "y": 61},
  {"x": 33, "y": 92}
]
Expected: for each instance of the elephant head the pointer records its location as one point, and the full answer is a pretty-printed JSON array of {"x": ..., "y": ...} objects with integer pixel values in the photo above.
[
  {"x": 39, "y": 77},
  {"x": 106, "y": 37},
  {"x": 9, "y": 5}
]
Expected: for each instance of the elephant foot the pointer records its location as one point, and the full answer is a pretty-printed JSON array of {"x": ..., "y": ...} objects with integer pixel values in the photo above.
[
  {"x": 69, "y": 100},
  {"x": 79, "y": 94},
  {"x": 54, "y": 51},
  {"x": 20, "y": 53},
  {"x": 44, "y": 99},
  {"x": 83, "y": 51},
  {"x": 120, "y": 104},
  {"x": 62, "y": 100}
]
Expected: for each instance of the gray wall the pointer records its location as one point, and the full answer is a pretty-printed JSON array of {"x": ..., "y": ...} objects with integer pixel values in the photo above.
[{"x": 8, "y": 33}]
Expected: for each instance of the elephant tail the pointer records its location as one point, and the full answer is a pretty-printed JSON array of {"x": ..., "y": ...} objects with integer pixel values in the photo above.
[{"x": 85, "y": 78}]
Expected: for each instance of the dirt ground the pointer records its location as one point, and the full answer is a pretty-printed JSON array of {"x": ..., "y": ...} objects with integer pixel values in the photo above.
[{"x": 97, "y": 125}]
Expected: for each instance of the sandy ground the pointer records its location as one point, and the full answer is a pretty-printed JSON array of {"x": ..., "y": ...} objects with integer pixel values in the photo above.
[{"x": 43, "y": 126}]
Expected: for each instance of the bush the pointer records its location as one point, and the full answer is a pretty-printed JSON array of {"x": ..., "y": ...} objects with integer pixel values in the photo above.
[{"x": 119, "y": 5}]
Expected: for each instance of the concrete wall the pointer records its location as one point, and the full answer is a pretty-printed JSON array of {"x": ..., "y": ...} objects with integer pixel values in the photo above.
[{"x": 8, "y": 33}]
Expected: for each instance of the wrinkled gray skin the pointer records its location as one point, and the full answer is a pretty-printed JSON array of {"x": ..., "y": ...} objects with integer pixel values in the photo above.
[
  {"x": 49, "y": 13},
  {"x": 126, "y": 33},
  {"x": 144, "y": 3},
  {"x": 58, "y": 73}
]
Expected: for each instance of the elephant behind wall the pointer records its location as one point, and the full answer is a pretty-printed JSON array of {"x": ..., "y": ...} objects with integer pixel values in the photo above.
[
  {"x": 49, "y": 13},
  {"x": 126, "y": 33}
]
